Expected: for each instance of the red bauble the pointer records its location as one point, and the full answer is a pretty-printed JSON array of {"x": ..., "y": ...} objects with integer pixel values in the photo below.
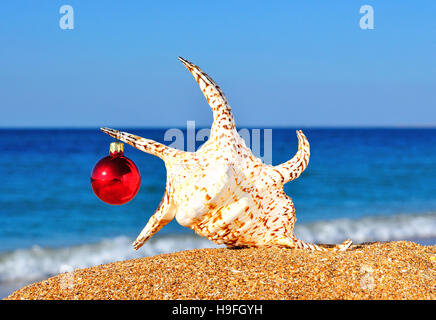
[{"x": 115, "y": 179}]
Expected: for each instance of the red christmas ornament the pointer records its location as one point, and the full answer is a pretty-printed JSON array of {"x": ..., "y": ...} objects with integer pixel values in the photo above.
[{"x": 115, "y": 179}]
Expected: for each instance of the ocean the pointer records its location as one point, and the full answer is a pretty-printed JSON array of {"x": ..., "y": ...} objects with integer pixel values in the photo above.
[{"x": 362, "y": 184}]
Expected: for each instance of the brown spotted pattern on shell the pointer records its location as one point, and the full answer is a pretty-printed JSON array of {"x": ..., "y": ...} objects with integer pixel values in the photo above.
[{"x": 222, "y": 191}]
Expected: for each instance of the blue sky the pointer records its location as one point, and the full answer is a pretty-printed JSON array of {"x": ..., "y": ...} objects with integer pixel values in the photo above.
[{"x": 285, "y": 63}]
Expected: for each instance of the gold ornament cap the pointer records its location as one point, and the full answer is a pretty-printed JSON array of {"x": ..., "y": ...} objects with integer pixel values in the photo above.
[{"x": 116, "y": 147}]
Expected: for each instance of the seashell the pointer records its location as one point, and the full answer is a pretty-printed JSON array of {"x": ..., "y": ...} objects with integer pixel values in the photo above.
[{"x": 222, "y": 191}]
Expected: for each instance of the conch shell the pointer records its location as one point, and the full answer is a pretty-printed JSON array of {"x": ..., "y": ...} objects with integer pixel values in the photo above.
[{"x": 222, "y": 191}]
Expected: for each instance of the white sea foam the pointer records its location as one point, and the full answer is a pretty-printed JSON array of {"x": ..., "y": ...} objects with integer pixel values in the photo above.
[
  {"x": 37, "y": 263},
  {"x": 371, "y": 228}
]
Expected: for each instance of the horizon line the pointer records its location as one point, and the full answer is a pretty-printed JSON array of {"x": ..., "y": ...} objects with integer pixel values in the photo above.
[{"x": 238, "y": 127}]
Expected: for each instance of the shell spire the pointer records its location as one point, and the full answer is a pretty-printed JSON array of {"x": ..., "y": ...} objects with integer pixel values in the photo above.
[{"x": 222, "y": 113}]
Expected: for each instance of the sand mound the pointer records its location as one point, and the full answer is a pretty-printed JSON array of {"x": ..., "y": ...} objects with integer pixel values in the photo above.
[{"x": 392, "y": 270}]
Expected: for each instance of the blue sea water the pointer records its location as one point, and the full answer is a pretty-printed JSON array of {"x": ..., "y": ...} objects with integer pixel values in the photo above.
[{"x": 363, "y": 184}]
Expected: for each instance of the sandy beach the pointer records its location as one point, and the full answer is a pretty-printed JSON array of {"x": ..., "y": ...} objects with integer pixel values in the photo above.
[{"x": 391, "y": 270}]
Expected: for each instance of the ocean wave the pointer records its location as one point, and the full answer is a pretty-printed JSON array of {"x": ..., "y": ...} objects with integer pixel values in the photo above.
[
  {"x": 38, "y": 263},
  {"x": 370, "y": 228}
]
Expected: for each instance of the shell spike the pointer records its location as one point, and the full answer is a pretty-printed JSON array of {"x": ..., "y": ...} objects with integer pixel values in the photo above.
[
  {"x": 146, "y": 145},
  {"x": 222, "y": 113},
  {"x": 293, "y": 168}
]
